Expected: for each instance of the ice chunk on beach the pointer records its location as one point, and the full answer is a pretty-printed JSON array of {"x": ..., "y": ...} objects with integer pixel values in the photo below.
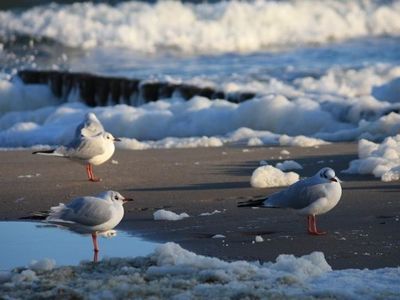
[
  {"x": 216, "y": 211},
  {"x": 268, "y": 176},
  {"x": 288, "y": 165},
  {"x": 167, "y": 215},
  {"x": 172, "y": 272},
  {"x": 259, "y": 239},
  {"x": 46, "y": 264},
  {"x": 300, "y": 141},
  {"x": 381, "y": 160}
]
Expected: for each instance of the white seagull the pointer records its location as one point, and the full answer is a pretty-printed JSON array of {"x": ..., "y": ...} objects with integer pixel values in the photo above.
[
  {"x": 88, "y": 215},
  {"x": 91, "y": 146},
  {"x": 311, "y": 196}
]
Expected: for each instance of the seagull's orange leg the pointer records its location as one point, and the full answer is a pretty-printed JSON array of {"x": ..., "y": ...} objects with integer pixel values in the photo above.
[
  {"x": 89, "y": 171},
  {"x": 312, "y": 226},
  {"x": 94, "y": 240}
]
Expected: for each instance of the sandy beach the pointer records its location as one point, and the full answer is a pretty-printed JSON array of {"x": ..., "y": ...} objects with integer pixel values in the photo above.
[{"x": 362, "y": 229}]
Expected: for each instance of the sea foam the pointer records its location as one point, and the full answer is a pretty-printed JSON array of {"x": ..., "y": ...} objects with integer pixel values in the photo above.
[
  {"x": 226, "y": 26},
  {"x": 173, "y": 272}
]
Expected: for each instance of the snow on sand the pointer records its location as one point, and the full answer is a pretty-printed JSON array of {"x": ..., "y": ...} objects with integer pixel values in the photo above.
[
  {"x": 174, "y": 273},
  {"x": 381, "y": 160}
]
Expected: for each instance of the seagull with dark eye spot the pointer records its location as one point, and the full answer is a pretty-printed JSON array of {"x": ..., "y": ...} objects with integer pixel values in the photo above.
[
  {"x": 92, "y": 146},
  {"x": 311, "y": 196},
  {"x": 87, "y": 215}
]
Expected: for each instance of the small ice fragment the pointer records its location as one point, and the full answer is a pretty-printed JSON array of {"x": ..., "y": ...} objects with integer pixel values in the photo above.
[
  {"x": 166, "y": 215},
  {"x": 210, "y": 213},
  {"x": 45, "y": 264},
  {"x": 259, "y": 239},
  {"x": 285, "y": 152},
  {"x": 218, "y": 236}
]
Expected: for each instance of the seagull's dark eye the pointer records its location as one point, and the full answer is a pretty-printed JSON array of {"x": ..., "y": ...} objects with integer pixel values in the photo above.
[{"x": 116, "y": 197}]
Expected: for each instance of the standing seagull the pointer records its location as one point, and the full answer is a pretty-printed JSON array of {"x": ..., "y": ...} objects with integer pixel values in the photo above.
[
  {"x": 91, "y": 146},
  {"x": 88, "y": 215},
  {"x": 312, "y": 196}
]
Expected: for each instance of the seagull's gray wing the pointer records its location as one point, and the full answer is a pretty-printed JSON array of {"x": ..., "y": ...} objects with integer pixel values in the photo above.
[
  {"x": 88, "y": 211},
  {"x": 84, "y": 147},
  {"x": 298, "y": 196},
  {"x": 91, "y": 126}
]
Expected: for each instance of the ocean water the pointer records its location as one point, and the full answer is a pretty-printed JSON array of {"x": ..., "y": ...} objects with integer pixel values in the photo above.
[{"x": 326, "y": 70}]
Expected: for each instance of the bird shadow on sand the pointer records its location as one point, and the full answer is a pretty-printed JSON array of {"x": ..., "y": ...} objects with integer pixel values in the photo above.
[{"x": 390, "y": 188}]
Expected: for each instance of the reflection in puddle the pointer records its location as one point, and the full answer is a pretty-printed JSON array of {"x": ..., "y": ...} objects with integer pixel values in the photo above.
[{"x": 23, "y": 242}]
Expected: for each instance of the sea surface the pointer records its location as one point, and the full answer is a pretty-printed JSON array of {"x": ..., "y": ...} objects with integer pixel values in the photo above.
[{"x": 326, "y": 70}]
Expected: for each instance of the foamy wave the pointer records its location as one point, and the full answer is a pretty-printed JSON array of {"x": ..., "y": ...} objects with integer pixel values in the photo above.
[
  {"x": 340, "y": 104},
  {"x": 206, "y": 28}
]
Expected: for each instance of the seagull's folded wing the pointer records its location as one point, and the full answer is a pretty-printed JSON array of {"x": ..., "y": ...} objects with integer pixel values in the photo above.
[
  {"x": 86, "y": 147},
  {"x": 298, "y": 196},
  {"x": 88, "y": 211}
]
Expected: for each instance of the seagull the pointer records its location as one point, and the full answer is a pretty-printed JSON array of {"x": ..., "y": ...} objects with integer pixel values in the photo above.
[
  {"x": 91, "y": 146},
  {"x": 87, "y": 215},
  {"x": 311, "y": 196}
]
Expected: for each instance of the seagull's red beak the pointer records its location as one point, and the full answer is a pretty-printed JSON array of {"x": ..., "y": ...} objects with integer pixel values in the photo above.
[{"x": 127, "y": 200}]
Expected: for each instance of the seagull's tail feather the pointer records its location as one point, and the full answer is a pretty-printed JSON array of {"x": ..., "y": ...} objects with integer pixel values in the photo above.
[
  {"x": 252, "y": 202},
  {"x": 51, "y": 152},
  {"x": 38, "y": 215}
]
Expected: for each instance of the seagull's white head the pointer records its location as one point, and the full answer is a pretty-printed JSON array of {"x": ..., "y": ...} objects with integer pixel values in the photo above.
[
  {"x": 109, "y": 137},
  {"x": 114, "y": 197},
  {"x": 328, "y": 175}
]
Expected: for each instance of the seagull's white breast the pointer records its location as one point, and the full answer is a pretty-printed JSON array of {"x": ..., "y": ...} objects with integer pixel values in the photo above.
[
  {"x": 117, "y": 215},
  {"x": 109, "y": 149},
  {"x": 333, "y": 193}
]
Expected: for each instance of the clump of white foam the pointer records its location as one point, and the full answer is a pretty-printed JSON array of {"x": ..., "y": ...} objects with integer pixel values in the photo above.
[
  {"x": 210, "y": 213},
  {"x": 167, "y": 215},
  {"x": 285, "y": 152},
  {"x": 268, "y": 176},
  {"x": 46, "y": 264},
  {"x": 345, "y": 113},
  {"x": 259, "y": 239},
  {"x": 300, "y": 141},
  {"x": 382, "y": 160},
  {"x": 289, "y": 165},
  {"x": 16, "y": 96},
  {"x": 173, "y": 272},
  {"x": 170, "y": 142},
  {"x": 218, "y": 236}
]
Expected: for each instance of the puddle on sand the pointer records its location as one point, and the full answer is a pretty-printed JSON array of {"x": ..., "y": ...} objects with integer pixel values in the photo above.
[{"x": 23, "y": 242}]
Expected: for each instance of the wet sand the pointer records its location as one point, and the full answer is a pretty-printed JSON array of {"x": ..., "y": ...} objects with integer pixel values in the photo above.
[{"x": 363, "y": 230}]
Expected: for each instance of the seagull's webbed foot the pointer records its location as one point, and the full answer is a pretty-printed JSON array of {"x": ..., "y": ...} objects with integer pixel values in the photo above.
[
  {"x": 317, "y": 232},
  {"x": 95, "y": 179},
  {"x": 312, "y": 226},
  {"x": 89, "y": 171}
]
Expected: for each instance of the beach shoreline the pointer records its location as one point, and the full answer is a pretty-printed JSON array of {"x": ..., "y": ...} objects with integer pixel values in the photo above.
[{"x": 362, "y": 229}]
